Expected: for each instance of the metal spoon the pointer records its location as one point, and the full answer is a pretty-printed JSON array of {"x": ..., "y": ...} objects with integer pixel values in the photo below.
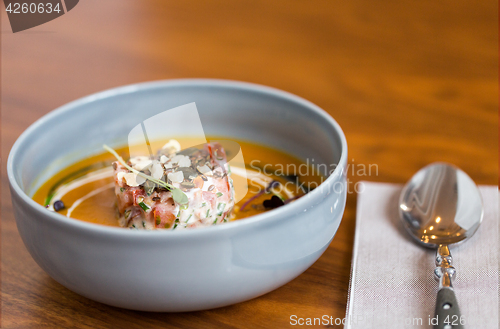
[{"x": 439, "y": 206}]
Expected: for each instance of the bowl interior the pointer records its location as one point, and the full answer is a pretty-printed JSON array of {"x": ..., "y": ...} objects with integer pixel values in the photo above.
[{"x": 230, "y": 109}]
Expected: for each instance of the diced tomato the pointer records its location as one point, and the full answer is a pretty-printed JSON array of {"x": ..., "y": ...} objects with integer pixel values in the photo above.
[
  {"x": 164, "y": 214},
  {"x": 210, "y": 197}
]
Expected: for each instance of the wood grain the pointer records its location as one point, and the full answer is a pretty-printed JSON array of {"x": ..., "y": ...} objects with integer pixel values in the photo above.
[{"x": 410, "y": 82}]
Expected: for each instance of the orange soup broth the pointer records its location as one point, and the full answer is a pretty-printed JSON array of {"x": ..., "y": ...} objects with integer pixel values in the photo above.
[{"x": 100, "y": 208}]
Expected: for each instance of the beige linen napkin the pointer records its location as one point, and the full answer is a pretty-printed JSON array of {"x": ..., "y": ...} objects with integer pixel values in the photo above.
[{"x": 392, "y": 283}]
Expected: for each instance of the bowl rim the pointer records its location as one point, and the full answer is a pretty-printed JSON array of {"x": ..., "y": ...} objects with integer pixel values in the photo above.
[{"x": 268, "y": 217}]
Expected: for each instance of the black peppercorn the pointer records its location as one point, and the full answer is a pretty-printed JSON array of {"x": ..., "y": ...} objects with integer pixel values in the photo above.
[
  {"x": 272, "y": 203},
  {"x": 58, "y": 205}
]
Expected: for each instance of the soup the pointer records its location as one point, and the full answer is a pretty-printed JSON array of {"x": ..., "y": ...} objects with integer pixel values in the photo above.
[{"x": 87, "y": 190}]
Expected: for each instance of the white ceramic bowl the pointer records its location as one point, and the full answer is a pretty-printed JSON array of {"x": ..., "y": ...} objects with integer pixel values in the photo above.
[{"x": 179, "y": 270}]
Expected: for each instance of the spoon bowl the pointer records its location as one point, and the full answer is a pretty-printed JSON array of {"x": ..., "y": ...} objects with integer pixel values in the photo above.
[{"x": 440, "y": 205}]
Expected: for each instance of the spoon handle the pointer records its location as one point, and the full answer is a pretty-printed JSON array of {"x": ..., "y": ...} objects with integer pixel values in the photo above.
[{"x": 447, "y": 314}]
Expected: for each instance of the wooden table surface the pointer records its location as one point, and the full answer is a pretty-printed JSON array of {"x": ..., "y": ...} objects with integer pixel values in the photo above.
[{"x": 410, "y": 82}]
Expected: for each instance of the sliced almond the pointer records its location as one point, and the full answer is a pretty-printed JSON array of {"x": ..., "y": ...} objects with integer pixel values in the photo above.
[
  {"x": 133, "y": 179},
  {"x": 184, "y": 162},
  {"x": 204, "y": 169},
  {"x": 176, "y": 177},
  {"x": 163, "y": 159},
  {"x": 156, "y": 170},
  {"x": 142, "y": 165},
  {"x": 120, "y": 176}
]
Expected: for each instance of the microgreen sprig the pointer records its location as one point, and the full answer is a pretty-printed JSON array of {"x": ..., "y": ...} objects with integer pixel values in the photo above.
[{"x": 179, "y": 196}]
